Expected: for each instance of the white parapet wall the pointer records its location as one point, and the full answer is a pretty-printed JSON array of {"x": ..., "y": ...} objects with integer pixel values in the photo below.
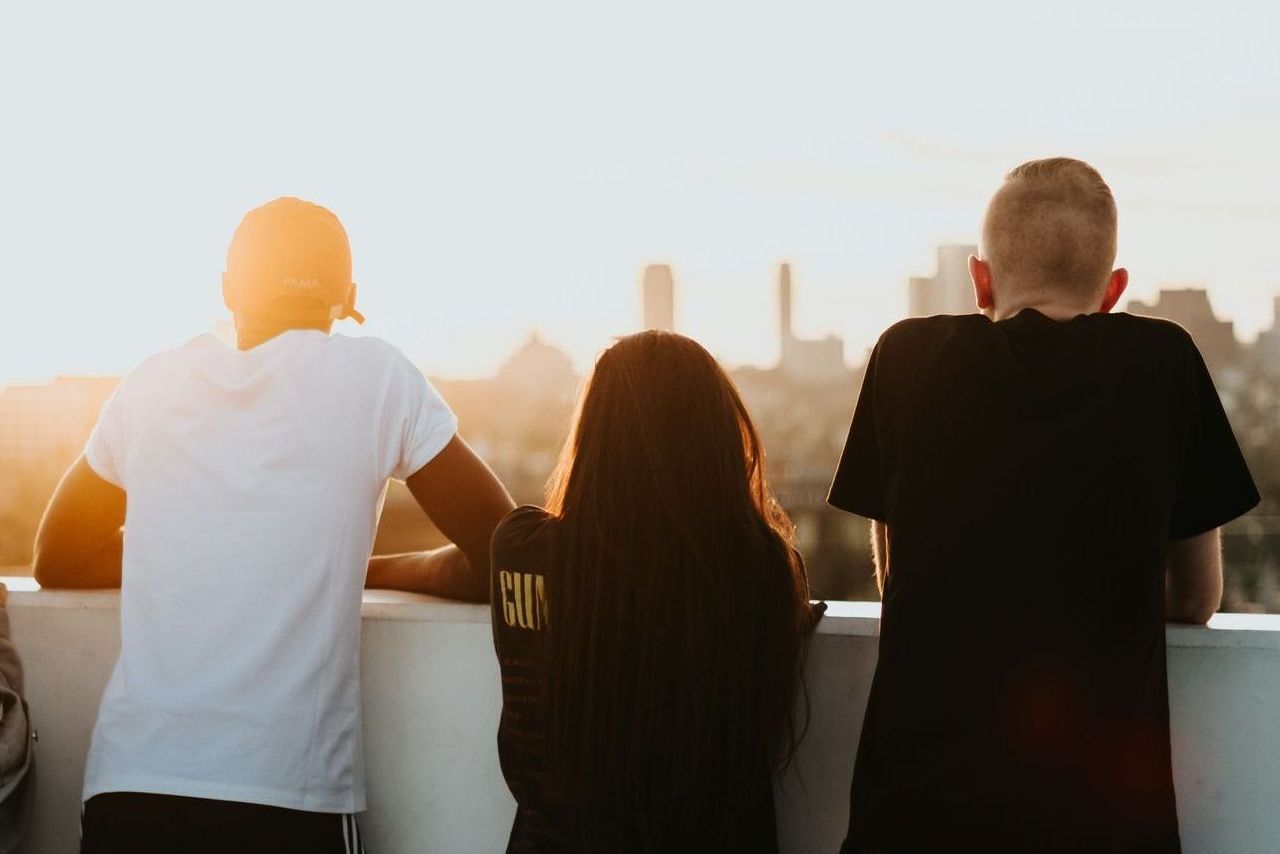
[{"x": 431, "y": 702}]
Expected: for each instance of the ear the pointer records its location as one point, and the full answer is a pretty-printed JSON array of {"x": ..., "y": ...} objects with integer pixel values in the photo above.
[
  {"x": 228, "y": 293},
  {"x": 1115, "y": 289},
  {"x": 980, "y": 272}
]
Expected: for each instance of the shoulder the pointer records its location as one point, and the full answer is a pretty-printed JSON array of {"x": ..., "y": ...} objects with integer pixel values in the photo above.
[
  {"x": 1151, "y": 345},
  {"x": 371, "y": 351},
  {"x": 1151, "y": 330},
  {"x": 522, "y": 541},
  {"x": 937, "y": 325},
  {"x": 922, "y": 335},
  {"x": 380, "y": 367},
  {"x": 196, "y": 349},
  {"x": 176, "y": 362},
  {"x": 523, "y": 528}
]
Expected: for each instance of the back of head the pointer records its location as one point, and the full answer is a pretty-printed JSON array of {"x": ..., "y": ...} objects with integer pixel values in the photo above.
[
  {"x": 1051, "y": 229},
  {"x": 289, "y": 265},
  {"x": 660, "y": 419},
  {"x": 677, "y": 620}
]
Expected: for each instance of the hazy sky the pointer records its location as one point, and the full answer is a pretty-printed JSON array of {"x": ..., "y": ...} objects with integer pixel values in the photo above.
[{"x": 502, "y": 167}]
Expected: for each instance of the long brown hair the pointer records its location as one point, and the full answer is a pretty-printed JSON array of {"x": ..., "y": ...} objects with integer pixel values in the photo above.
[{"x": 680, "y": 612}]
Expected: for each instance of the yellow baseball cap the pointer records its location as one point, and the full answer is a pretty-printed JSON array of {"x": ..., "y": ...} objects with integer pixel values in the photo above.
[{"x": 290, "y": 260}]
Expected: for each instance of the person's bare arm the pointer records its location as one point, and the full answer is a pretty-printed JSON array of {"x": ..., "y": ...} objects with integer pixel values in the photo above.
[
  {"x": 466, "y": 501},
  {"x": 880, "y": 552},
  {"x": 80, "y": 540},
  {"x": 1193, "y": 581}
]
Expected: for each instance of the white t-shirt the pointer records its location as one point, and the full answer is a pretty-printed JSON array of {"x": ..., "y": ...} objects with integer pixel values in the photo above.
[{"x": 254, "y": 483}]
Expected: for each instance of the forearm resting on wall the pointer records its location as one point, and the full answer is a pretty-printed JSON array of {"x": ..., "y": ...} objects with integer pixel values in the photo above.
[
  {"x": 81, "y": 538},
  {"x": 440, "y": 572},
  {"x": 97, "y": 568},
  {"x": 1193, "y": 580}
]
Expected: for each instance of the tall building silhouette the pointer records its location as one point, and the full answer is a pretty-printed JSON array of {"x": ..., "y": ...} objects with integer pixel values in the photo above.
[
  {"x": 950, "y": 290},
  {"x": 786, "y": 336},
  {"x": 659, "y": 297},
  {"x": 820, "y": 360},
  {"x": 1266, "y": 351}
]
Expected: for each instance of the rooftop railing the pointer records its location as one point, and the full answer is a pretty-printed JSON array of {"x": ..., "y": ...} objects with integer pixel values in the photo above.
[{"x": 432, "y": 699}]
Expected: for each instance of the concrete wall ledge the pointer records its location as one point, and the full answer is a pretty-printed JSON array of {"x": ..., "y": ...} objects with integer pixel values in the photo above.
[
  {"x": 1260, "y": 631},
  {"x": 431, "y": 704}
]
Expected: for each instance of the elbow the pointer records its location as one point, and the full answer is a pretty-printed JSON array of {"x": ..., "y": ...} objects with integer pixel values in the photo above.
[
  {"x": 1193, "y": 612},
  {"x": 50, "y": 569},
  {"x": 48, "y": 559},
  {"x": 477, "y": 587},
  {"x": 474, "y": 585},
  {"x": 1199, "y": 617},
  {"x": 46, "y": 574}
]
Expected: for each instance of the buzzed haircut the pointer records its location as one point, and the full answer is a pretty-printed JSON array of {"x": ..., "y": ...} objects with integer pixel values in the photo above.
[{"x": 1051, "y": 225}]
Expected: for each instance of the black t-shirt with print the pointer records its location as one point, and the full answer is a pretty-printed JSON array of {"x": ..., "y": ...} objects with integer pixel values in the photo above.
[
  {"x": 1031, "y": 473},
  {"x": 523, "y": 598},
  {"x": 520, "y": 568}
]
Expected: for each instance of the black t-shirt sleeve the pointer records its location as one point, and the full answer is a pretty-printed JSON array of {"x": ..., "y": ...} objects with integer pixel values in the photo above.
[
  {"x": 517, "y": 544},
  {"x": 1214, "y": 484},
  {"x": 858, "y": 486},
  {"x": 516, "y": 528}
]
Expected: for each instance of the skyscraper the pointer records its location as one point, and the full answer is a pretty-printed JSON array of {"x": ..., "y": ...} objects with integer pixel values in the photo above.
[
  {"x": 806, "y": 361},
  {"x": 786, "y": 337},
  {"x": 659, "y": 297},
  {"x": 949, "y": 291}
]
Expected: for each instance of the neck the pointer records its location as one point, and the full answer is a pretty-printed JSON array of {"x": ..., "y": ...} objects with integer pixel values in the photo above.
[
  {"x": 251, "y": 333},
  {"x": 1054, "y": 308}
]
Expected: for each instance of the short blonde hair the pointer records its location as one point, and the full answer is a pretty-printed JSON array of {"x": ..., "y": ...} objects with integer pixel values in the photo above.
[{"x": 1052, "y": 225}]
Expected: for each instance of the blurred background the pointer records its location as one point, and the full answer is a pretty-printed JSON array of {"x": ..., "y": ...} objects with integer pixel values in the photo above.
[{"x": 523, "y": 182}]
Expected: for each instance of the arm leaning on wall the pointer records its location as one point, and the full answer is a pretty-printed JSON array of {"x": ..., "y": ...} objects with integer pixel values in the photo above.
[
  {"x": 466, "y": 501},
  {"x": 81, "y": 537},
  {"x": 1193, "y": 579}
]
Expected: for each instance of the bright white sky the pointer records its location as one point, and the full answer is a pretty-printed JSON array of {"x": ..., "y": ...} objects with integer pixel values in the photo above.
[{"x": 504, "y": 167}]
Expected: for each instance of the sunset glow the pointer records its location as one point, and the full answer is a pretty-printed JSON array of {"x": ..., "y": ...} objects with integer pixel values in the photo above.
[{"x": 502, "y": 168}]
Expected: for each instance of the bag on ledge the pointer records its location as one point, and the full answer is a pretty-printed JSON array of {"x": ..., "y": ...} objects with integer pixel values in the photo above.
[{"x": 17, "y": 747}]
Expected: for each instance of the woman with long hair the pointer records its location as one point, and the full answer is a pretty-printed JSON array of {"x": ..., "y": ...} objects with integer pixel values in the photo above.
[{"x": 651, "y": 623}]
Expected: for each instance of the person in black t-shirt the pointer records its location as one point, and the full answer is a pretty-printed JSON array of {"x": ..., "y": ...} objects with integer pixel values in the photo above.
[
  {"x": 651, "y": 624},
  {"x": 1046, "y": 482}
]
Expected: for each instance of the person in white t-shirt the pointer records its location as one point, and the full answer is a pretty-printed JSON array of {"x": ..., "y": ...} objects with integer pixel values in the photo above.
[{"x": 254, "y": 479}]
